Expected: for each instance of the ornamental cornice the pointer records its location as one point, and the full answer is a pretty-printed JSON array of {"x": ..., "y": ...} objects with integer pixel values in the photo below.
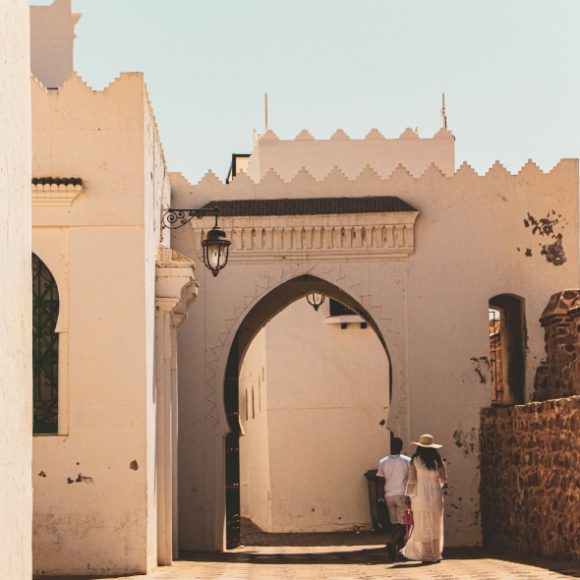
[
  {"x": 55, "y": 195},
  {"x": 175, "y": 283},
  {"x": 366, "y": 236}
]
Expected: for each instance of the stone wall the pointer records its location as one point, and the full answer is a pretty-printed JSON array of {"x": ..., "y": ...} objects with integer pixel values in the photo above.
[
  {"x": 530, "y": 477},
  {"x": 530, "y": 454}
]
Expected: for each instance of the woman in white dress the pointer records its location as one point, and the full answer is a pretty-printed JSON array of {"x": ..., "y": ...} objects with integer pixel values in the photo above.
[{"x": 427, "y": 476}]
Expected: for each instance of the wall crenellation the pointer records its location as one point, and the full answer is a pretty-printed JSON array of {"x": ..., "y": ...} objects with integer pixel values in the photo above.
[
  {"x": 530, "y": 179},
  {"x": 342, "y": 135}
]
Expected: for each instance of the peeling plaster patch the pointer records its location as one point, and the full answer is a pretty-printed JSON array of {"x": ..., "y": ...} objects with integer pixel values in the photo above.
[
  {"x": 547, "y": 228},
  {"x": 466, "y": 441},
  {"x": 554, "y": 253},
  {"x": 134, "y": 465},
  {"x": 42, "y": 474},
  {"x": 481, "y": 367},
  {"x": 80, "y": 479}
]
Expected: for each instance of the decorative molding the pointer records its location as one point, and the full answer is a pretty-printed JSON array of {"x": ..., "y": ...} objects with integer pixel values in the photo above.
[
  {"x": 325, "y": 238},
  {"x": 175, "y": 283},
  {"x": 379, "y": 312},
  {"x": 55, "y": 195}
]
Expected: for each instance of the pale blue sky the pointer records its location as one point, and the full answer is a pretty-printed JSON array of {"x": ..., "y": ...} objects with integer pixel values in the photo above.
[{"x": 510, "y": 70}]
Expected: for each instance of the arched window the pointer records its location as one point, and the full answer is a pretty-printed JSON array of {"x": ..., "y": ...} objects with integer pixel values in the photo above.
[
  {"x": 507, "y": 349},
  {"x": 45, "y": 306}
]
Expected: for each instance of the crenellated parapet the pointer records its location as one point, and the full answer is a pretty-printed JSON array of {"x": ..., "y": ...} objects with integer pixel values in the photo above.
[
  {"x": 530, "y": 180},
  {"x": 108, "y": 138},
  {"x": 76, "y": 97},
  {"x": 318, "y": 156}
]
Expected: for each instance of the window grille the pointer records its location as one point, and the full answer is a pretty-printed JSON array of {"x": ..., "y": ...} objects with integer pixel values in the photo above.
[
  {"x": 45, "y": 307},
  {"x": 496, "y": 355}
]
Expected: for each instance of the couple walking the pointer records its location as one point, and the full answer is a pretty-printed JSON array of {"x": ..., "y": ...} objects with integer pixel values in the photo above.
[{"x": 416, "y": 482}]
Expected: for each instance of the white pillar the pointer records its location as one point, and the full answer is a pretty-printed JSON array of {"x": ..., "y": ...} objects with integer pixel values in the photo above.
[{"x": 176, "y": 288}]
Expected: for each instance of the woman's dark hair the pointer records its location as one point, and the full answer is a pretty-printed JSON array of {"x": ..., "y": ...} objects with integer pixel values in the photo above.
[{"x": 429, "y": 456}]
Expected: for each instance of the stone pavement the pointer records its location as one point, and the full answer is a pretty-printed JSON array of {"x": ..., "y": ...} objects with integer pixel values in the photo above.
[{"x": 346, "y": 556}]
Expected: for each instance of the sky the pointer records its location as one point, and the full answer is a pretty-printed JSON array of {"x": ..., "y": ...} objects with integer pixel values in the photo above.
[{"x": 509, "y": 69}]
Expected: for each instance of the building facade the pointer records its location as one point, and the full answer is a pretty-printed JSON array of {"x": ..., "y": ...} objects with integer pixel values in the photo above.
[
  {"x": 424, "y": 277},
  {"x": 109, "y": 294}
]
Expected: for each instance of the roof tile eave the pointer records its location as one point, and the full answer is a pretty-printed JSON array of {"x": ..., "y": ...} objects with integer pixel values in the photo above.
[{"x": 310, "y": 206}]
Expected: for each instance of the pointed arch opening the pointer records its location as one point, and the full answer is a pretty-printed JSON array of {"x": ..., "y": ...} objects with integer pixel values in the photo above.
[{"x": 246, "y": 405}]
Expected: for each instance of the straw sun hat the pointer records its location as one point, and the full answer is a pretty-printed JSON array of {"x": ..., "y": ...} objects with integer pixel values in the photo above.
[{"x": 426, "y": 440}]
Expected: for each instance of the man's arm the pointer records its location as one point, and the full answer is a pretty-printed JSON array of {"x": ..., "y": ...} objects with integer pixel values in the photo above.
[{"x": 380, "y": 483}]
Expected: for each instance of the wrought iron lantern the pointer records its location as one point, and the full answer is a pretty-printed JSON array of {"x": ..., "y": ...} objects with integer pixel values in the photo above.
[
  {"x": 315, "y": 300},
  {"x": 216, "y": 246},
  {"x": 216, "y": 249}
]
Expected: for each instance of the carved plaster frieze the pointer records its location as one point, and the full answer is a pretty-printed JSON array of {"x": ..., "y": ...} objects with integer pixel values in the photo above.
[
  {"x": 329, "y": 237},
  {"x": 53, "y": 195}
]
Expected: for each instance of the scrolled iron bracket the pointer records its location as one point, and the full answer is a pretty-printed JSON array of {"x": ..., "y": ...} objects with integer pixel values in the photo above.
[{"x": 176, "y": 218}]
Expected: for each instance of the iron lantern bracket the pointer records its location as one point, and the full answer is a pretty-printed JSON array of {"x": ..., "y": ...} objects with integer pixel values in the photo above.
[{"x": 176, "y": 218}]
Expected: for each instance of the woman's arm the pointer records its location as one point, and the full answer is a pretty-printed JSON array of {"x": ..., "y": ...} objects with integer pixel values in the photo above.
[
  {"x": 411, "y": 490},
  {"x": 442, "y": 474}
]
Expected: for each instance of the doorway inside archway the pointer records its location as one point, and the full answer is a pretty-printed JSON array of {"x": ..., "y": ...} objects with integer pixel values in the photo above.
[{"x": 307, "y": 396}]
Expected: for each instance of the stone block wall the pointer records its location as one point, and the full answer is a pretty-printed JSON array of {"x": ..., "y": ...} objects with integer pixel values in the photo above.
[{"x": 530, "y": 477}]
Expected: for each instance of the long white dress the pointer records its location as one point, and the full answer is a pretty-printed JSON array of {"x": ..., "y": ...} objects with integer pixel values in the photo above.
[{"x": 424, "y": 488}]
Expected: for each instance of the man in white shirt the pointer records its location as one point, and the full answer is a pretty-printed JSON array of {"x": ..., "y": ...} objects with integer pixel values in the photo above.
[{"x": 392, "y": 477}]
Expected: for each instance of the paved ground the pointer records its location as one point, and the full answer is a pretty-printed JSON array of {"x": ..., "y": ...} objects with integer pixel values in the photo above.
[{"x": 346, "y": 556}]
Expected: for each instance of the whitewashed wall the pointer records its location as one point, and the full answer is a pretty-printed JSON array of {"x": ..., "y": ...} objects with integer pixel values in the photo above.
[
  {"x": 15, "y": 294},
  {"x": 94, "y": 504},
  {"x": 321, "y": 422},
  {"x": 255, "y": 461}
]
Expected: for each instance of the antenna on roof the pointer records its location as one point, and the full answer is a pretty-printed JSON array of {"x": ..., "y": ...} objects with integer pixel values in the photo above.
[
  {"x": 266, "y": 121},
  {"x": 443, "y": 111}
]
